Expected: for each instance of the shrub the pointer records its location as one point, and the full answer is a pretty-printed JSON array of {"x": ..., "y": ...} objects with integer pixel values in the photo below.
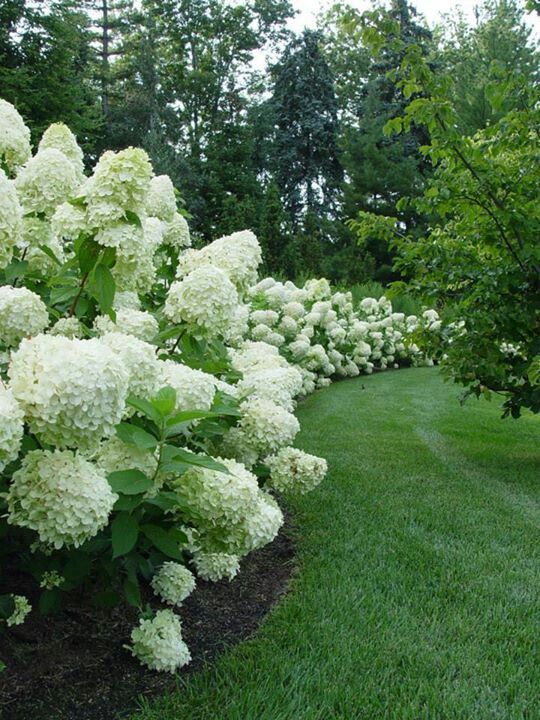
[{"x": 147, "y": 395}]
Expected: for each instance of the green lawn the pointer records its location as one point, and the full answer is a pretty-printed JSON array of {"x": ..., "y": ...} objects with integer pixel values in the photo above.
[{"x": 418, "y": 589}]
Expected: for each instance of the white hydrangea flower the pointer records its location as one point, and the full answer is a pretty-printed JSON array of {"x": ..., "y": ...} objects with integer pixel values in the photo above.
[
  {"x": 72, "y": 391},
  {"x": 45, "y": 181},
  {"x": 10, "y": 216},
  {"x": 63, "y": 497},
  {"x": 295, "y": 310},
  {"x": 60, "y": 137},
  {"x": 206, "y": 298},
  {"x": 22, "y": 314},
  {"x": 238, "y": 327},
  {"x": 22, "y": 609},
  {"x": 296, "y": 471},
  {"x": 139, "y": 358},
  {"x": 70, "y": 327},
  {"x": 51, "y": 579},
  {"x": 126, "y": 300},
  {"x": 121, "y": 180},
  {"x": 215, "y": 566},
  {"x": 318, "y": 289},
  {"x": 238, "y": 255},
  {"x": 14, "y": 138},
  {"x": 139, "y": 323},
  {"x": 260, "y": 526},
  {"x": 11, "y": 427},
  {"x": 173, "y": 582},
  {"x": 267, "y": 426},
  {"x": 35, "y": 232},
  {"x": 252, "y": 356},
  {"x": 176, "y": 232},
  {"x": 113, "y": 455},
  {"x": 134, "y": 269},
  {"x": 68, "y": 221},
  {"x": 195, "y": 389},
  {"x": 41, "y": 263},
  {"x": 153, "y": 232},
  {"x": 158, "y": 644},
  {"x": 264, "y": 317},
  {"x": 235, "y": 444},
  {"x": 288, "y": 327},
  {"x": 217, "y": 497},
  {"x": 281, "y": 385},
  {"x": 160, "y": 199}
]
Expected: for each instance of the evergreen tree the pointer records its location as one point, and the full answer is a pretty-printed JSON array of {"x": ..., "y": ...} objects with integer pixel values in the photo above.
[
  {"x": 45, "y": 66},
  {"x": 305, "y": 153},
  {"x": 383, "y": 169},
  {"x": 498, "y": 53}
]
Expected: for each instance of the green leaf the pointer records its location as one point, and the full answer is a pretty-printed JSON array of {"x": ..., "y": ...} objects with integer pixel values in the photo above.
[
  {"x": 133, "y": 435},
  {"x": 175, "y": 458},
  {"x": 128, "y": 503},
  {"x": 133, "y": 218},
  {"x": 132, "y": 591},
  {"x": 88, "y": 254},
  {"x": 166, "y": 500},
  {"x": 124, "y": 534},
  {"x": 7, "y": 606},
  {"x": 178, "y": 422},
  {"x": 47, "y": 250},
  {"x": 165, "y": 400},
  {"x": 50, "y": 601},
  {"x": 77, "y": 202},
  {"x": 129, "y": 482},
  {"x": 104, "y": 287},
  {"x": 63, "y": 294},
  {"x": 145, "y": 408},
  {"x": 165, "y": 542},
  {"x": 77, "y": 568},
  {"x": 15, "y": 269}
]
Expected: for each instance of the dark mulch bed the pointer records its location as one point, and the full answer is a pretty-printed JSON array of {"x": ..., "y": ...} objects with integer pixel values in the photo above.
[{"x": 73, "y": 666}]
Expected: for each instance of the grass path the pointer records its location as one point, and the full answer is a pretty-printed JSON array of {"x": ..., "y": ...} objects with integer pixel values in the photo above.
[{"x": 418, "y": 590}]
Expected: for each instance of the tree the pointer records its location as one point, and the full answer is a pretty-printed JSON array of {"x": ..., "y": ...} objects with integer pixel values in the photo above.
[
  {"x": 45, "y": 66},
  {"x": 305, "y": 152},
  {"x": 381, "y": 169},
  {"x": 482, "y": 54},
  {"x": 480, "y": 260}
]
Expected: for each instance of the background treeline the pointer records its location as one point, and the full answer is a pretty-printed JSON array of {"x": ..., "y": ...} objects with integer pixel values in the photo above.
[{"x": 258, "y": 127}]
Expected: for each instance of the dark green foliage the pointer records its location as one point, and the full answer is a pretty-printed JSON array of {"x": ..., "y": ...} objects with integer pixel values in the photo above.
[
  {"x": 480, "y": 262},
  {"x": 304, "y": 106},
  {"x": 46, "y": 66}
]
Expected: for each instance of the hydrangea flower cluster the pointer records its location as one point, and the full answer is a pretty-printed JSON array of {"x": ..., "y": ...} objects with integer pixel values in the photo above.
[
  {"x": 237, "y": 255},
  {"x": 157, "y": 642},
  {"x": 72, "y": 392},
  {"x": 22, "y": 314},
  {"x": 294, "y": 470},
  {"x": 205, "y": 298},
  {"x": 14, "y": 138},
  {"x": 11, "y": 427},
  {"x": 10, "y": 219},
  {"x": 61, "y": 495},
  {"x": 19, "y": 614},
  {"x": 215, "y": 566},
  {"x": 173, "y": 583}
]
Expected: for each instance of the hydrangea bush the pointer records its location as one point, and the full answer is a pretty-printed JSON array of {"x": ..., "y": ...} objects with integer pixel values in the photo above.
[{"x": 147, "y": 389}]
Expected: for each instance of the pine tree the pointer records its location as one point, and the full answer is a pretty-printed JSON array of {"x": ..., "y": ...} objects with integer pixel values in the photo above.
[
  {"x": 383, "y": 169},
  {"x": 305, "y": 153}
]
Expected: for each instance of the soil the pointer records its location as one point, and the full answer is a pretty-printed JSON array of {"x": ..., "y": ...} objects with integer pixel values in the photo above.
[{"x": 73, "y": 666}]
